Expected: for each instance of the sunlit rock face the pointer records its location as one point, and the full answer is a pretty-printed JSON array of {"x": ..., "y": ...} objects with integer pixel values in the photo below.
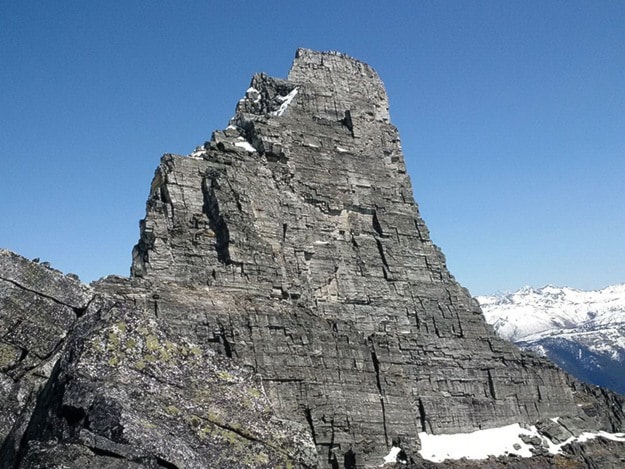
[
  {"x": 291, "y": 241},
  {"x": 89, "y": 380},
  {"x": 286, "y": 308}
]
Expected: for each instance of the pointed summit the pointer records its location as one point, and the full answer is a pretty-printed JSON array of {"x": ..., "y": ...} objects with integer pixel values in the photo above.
[
  {"x": 297, "y": 225},
  {"x": 286, "y": 308},
  {"x": 344, "y": 82}
]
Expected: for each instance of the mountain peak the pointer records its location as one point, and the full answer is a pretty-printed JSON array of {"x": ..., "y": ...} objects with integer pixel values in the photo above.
[
  {"x": 340, "y": 83},
  {"x": 567, "y": 324},
  {"x": 286, "y": 308}
]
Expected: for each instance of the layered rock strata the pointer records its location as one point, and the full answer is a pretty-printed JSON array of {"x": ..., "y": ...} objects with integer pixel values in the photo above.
[
  {"x": 88, "y": 381},
  {"x": 38, "y": 307},
  {"x": 286, "y": 308},
  {"x": 296, "y": 247}
]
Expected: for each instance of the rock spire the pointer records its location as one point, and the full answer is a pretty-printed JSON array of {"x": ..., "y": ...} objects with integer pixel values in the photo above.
[
  {"x": 287, "y": 308},
  {"x": 301, "y": 213}
]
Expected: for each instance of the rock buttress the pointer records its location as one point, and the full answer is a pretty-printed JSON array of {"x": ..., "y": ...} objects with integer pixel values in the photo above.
[
  {"x": 291, "y": 242},
  {"x": 88, "y": 381}
]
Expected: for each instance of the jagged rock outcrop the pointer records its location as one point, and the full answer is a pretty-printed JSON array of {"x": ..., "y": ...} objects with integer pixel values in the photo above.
[
  {"x": 88, "y": 381},
  {"x": 287, "y": 307},
  {"x": 38, "y": 307},
  {"x": 297, "y": 224}
]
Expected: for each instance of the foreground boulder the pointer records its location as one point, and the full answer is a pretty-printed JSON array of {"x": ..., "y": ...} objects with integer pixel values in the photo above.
[
  {"x": 287, "y": 308},
  {"x": 121, "y": 390}
]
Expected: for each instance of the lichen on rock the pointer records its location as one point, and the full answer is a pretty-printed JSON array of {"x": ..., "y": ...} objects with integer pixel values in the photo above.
[{"x": 286, "y": 308}]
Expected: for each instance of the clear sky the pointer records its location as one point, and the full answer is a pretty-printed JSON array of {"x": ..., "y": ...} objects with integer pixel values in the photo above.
[{"x": 511, "y": 114}]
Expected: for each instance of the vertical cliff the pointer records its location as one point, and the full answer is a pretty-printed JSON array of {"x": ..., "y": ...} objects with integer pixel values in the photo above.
[
  {"x": 291, "y": 241},
  {"x": 286, "y": 308}
]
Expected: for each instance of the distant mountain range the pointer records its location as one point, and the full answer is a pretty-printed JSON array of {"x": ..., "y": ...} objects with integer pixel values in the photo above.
[{"x": 583, "y": 332}]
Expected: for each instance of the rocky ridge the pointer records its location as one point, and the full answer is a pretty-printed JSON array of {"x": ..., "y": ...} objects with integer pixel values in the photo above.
[
  {"x": 286, "y": 308},
  {"x": 100, "y": 383}
]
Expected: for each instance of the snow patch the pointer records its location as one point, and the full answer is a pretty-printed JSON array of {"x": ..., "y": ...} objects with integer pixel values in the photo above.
[
  {"x": 476, "y": 445},
  {"x": 286, "y": 100},
  {"x": 341, "y": 150},
  {"x": 197, "y": 153},
  {"x": 246, "y": 146},
  {"x": 496, "y": 442},
  {"x": 609, "y": 436},
  {"x": 392, "y": 456},
  {"x": 557, "y": 448},
  {"x": 253, "y": 94}
]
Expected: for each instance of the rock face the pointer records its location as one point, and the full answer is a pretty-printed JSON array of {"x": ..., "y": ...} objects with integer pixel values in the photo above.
[
  {"x": 287, "y": 308},
  {"x": 89, "y": 381},
  {"x": 38, "y": 307},
  {"x": 298, "y": 224}
]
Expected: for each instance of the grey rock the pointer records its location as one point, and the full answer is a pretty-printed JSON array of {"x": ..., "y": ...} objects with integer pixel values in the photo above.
[
  {"x": 38, "y": 307},
  {"x": 600, "y": 453},
  {"x": 101, "y": 385},
  {"x": 128, "y": 389},
  {"x": 320, "y": 273},
  {"x": 286, "y": 308}
]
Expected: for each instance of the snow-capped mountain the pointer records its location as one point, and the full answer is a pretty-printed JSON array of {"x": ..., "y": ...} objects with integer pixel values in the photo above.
[{"x": 581, "y": 331}]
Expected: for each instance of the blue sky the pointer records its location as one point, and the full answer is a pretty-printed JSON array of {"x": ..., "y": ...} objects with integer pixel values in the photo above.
[{"x": 511, "y": 114}]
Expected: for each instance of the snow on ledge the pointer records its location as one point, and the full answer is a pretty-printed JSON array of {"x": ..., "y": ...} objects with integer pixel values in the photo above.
[
  {"x": 477, "y": 445},
  {"x": 591, "y": 436},
  {"x": 391, "y": 457},
  {"x": 198, "y": 153},
  {"x": 494, "y": 442},
  {"x": 253, "y": 94},
  {"x": 246, "y": 146},
  {"x": 286, "y": 100}
]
